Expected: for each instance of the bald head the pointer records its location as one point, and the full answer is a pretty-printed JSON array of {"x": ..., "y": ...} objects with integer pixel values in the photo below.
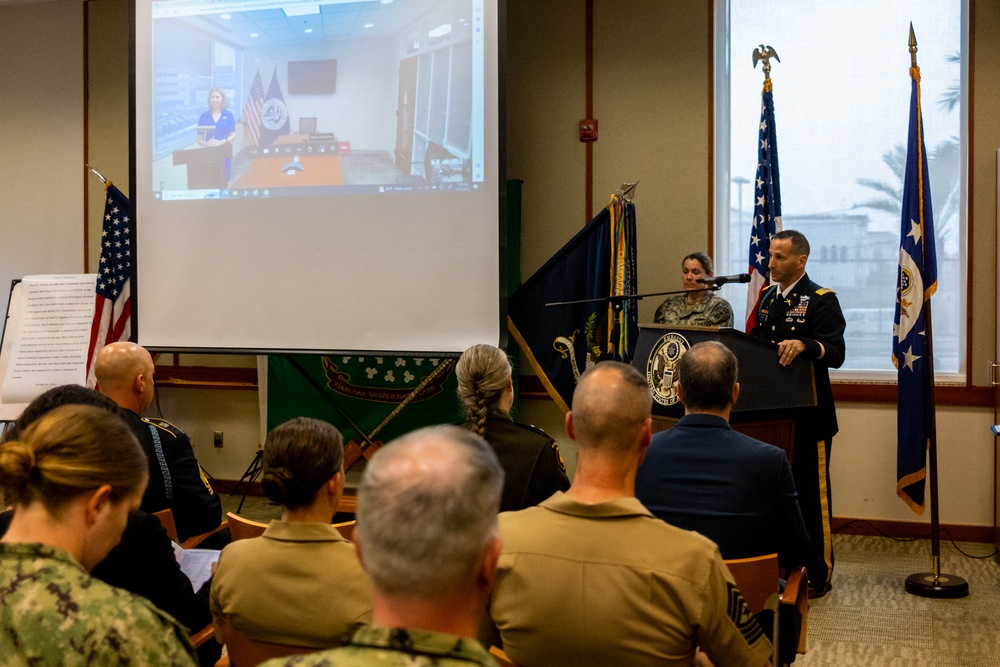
[
  {"x": 707, "y": 376},
  {"x": 427, "y": 512},
  {"x": 124, "y": 373},
  {"x": 610, "y": 406}
]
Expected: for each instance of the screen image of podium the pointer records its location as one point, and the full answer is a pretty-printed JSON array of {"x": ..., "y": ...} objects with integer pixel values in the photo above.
[{"x": 771, "y": 396}]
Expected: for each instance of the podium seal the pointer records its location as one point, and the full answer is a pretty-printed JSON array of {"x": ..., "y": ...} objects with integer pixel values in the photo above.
[{"x": 660, "y": 368}]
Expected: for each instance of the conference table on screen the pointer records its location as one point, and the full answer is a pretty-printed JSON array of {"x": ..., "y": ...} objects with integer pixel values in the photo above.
[{"x": 265, "y": 171}]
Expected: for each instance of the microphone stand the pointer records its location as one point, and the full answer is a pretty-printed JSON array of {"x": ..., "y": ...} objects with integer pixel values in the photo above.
[{"x": 617, "y": 302}]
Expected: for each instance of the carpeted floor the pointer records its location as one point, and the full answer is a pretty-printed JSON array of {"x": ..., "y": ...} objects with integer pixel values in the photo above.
[{"x": 869, "y": 619}]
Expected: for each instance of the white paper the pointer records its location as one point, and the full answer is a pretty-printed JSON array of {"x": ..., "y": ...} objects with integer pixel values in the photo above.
[
  {"x": 49, "y": 333},
  {"x": 196, "y": 564}
]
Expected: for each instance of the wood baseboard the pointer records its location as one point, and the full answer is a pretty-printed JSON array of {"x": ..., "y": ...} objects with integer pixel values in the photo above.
[{"x": 911, "y": 530}]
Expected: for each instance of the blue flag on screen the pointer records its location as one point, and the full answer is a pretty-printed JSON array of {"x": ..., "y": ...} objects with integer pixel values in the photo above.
[
  {"x": 915, "y": 284},
  {"x": 766, "y": 207},
  {"x": 561, "y": 342},
  {"x": 274, "y": 120}
]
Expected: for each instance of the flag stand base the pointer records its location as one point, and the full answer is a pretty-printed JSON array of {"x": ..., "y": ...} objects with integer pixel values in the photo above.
[{"x": 943, "y": 586}]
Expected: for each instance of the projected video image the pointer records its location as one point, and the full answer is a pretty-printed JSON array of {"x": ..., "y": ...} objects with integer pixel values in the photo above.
[{"x": 315, "y": 97}]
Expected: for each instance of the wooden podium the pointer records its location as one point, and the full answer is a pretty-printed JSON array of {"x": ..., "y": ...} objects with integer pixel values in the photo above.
[
  {"x": 206, "y": 166},
  {"x": 771, "y": 396}
]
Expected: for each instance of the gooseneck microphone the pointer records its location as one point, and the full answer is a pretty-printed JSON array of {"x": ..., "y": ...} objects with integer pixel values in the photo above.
[{"x": 722, "y": 280}]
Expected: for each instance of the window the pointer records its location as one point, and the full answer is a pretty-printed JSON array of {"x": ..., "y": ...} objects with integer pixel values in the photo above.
[{"x": 841, "y": 104}]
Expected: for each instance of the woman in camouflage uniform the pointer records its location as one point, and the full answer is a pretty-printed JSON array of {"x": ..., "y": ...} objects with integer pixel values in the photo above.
[
  {"x": 696, "y": 309},
  {"x": 73, "y": 476}
]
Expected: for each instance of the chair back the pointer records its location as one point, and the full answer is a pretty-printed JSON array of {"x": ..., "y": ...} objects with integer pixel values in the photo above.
[
  {"x": 166, "y": 518},
  {"x": 241, "y": 528},
  {"x": 246, "y": 652},
  {"x": 307, "y": 125},
  {"x": 757, "y": 579},
  {"x": 346, "y": 529}
]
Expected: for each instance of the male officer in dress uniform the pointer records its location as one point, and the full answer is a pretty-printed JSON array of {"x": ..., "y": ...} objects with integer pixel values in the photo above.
[
  {"x": 591, "y": 577},
  {"x": 124, "y": 373},
  {"x": 804, "y": 318}
]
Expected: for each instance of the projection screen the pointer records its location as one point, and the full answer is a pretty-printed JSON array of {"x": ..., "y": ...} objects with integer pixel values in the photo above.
[{"x": 317, "y": 175}]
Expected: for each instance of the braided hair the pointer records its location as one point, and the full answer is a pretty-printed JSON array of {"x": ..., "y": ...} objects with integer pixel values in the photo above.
[{"x": 483, "y": 373}]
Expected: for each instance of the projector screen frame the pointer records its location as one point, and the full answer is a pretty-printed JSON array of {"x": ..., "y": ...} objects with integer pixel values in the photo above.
[{"x": 502, "y": 214}]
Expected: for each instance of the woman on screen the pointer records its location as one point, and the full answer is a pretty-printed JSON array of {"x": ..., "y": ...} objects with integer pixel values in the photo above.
[
  {"x": 696, "y": 308},
  {"x": 533, "y": 467},
  {"x": 73, "y": 476},
  {"x": 216, "y": 126}
]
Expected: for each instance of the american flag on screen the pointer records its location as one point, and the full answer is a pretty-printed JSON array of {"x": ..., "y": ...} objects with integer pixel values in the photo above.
[
  {"x": 112, "y": 316},
  {"x": 251, "y": 110},
  {"x": 767, "y": 206}
]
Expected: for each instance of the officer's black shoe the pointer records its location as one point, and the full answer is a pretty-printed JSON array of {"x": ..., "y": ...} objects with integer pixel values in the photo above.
[{"x": 819, "y": 590}]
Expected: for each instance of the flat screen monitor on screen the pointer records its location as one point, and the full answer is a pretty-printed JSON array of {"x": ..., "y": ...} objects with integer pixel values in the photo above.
[{"x": 317, "y": 175}]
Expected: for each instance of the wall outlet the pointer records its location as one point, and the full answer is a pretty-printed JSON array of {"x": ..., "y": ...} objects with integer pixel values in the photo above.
[{"x": 217, "y": 438}]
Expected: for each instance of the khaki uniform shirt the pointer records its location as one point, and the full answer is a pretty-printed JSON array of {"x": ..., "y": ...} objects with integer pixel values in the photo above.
[
  {"x": 53, "y": 613},
  {"x": 298, "y": 584},
  {"x": 396, "y": 647},
  {"x": 610, "y": 584}
]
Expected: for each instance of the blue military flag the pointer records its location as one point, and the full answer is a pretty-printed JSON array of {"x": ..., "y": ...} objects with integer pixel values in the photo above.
[
  {"x": 561, "y": 342},
  {"x": 767, "y": 206},
  {"x": 911, "y": 349},
  {"x": 274, "y": 120}
]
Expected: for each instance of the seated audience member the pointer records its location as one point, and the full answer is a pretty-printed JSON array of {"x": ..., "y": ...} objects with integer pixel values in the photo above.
[
  {"x": 698, "y": 307},
  {"x": 591, "y": 577},
  {"x": 73, "y": 476},
  {"x": 704, "y": 476},
  {"x": 427, "y": 536},
  {"x": 300, "y": 583},
  {"x": 125, "y": 374},
  {"x": 143, "y": 561},
  {"x": 533, "y": 468}
]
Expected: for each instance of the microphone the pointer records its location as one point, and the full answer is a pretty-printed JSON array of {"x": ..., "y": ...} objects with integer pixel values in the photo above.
[{"x": 722, "y": 280}]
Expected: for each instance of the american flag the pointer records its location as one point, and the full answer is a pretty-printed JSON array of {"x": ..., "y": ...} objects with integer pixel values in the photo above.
[
  {"x": 251, "y": 110},
  {"x": 767, "y": 206},
  {"x": 113, "y": 314}
]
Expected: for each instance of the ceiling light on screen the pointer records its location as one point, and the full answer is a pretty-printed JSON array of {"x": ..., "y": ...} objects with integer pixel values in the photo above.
[
  {"x": 253, "y": 34},
  {"x": 302, "y": 10},
  {"x": 369, "y": 25},
  {"x": 440, "y": 31},
  {"x": 225, "y": 17}
]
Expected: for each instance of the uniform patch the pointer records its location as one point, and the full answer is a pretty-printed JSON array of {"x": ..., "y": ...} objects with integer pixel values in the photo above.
[
  {"x": 736, "y": 610},
  {"x": 562, "y": 464}
]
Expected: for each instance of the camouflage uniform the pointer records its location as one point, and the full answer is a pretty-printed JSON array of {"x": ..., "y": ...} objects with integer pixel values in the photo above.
[
  {"x": 53, "y": 613},
  {"x": 711, "y": 312},
  {"x": 396, "y": 647}
]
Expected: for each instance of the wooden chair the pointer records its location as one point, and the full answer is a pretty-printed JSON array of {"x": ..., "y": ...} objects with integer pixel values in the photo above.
[
  {"x": 241, "y": 528},
  {"x": 757, "y": 579},
  {"x": 346, "y": 529},
  {"x": 166, "y": 518},
  {"x": 241, "y": 651}
]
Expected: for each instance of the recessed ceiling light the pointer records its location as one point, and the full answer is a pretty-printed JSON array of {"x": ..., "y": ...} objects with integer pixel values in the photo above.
[
  {"x": 369, "y": 25},
  {"x": 309, "y": 29},
  {"x": 225, "y": 17},
  {"x": 386, "y": 2},
  {"x": 440, "y": 31},
  {"x": 253, "y": 34},
  {"x": 301, "y": 10}
]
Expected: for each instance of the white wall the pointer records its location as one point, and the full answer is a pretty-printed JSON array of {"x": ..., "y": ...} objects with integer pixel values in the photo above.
[{"x": 41, "y": 108}]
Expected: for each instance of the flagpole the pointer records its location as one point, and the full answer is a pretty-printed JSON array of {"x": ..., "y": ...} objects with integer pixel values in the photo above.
[{"x": 932, "y": 584}]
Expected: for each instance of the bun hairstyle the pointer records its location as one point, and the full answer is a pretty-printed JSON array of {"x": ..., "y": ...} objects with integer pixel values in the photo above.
[
  {"x": 300, "y": 456},
  {"x": 483, "y": 372},
  {"x": 69, "y": 451}
]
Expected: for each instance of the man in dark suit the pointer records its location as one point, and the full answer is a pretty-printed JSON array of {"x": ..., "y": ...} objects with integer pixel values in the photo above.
[
  {"x": 125, "y": 375},
  {"x": 803, "y": 318},
  {"x": 704, "y": 476}
]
